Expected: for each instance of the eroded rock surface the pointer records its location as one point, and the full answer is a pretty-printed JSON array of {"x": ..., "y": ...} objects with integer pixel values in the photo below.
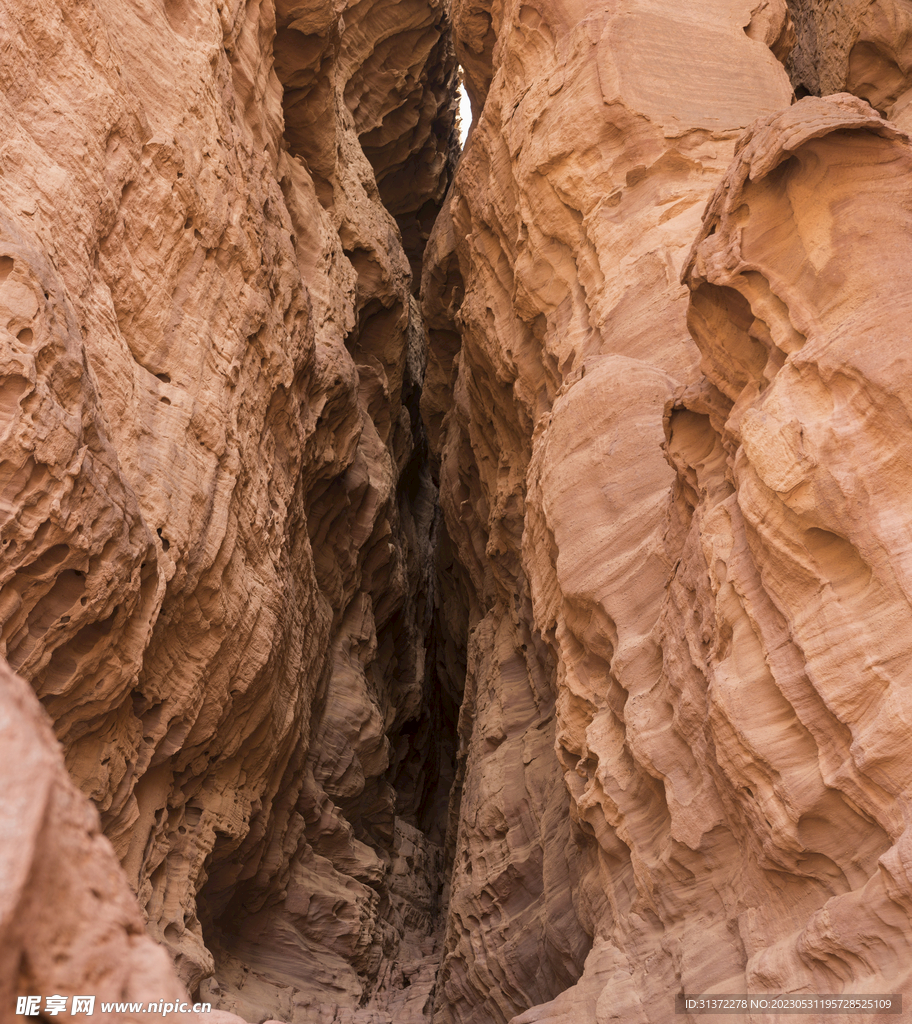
[
  {"x": 215, "y": 522},
  {"x": 624, "y": 715},
  {"x": 68, "y": 921},
  {"x": 665, "y": 600},
  {"x": 795, "y": 548},
  {"x": 860, "y": 46}
]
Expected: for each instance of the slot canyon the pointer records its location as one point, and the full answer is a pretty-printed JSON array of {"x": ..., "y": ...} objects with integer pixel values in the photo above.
[{"x": 454, "y": 581}]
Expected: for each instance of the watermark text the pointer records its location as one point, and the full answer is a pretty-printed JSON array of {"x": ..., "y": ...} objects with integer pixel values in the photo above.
[
  {"x": 50, "y": 1006},
  {"x": 742, "y": 1003}
]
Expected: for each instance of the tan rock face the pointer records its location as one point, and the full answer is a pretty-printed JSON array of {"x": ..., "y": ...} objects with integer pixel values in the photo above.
[
  {"x": 625, "y": 715},
  {"x": 674, "y": 566},
  {"x": 214, "y": 523},
  {"x": 69, "y": 923}
]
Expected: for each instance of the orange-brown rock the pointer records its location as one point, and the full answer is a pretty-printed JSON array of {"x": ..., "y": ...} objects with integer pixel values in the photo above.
[
  {"x": 213, "y": 516},
  {"x": 633, "y": 587},
  {"x": 624, "y": 715},
  {"x": 68, "y": 921}
]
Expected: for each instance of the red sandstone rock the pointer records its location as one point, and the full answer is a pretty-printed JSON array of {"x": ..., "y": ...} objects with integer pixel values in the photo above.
[
  {"x": 633, "y": 586},
  {"x": 813, "y": 532},
  {"x": 69, "y": 923},
  {"x": 214, "y": 533},
  {"x": 669, "y": 601},
  {"x": 571, "y": 217}
]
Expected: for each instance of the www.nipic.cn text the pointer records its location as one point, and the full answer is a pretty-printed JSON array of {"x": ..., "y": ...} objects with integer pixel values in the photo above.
[{"x": 30, "y": 1006}]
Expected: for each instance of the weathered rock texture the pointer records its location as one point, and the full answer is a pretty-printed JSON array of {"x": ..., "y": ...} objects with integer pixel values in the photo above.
[
  {"x": 68, "y": 921},
  {"x": 214, "y": 519},
  {"x": 861, "y": 46},
  {"x": 683, "y": 760},
  {"x": 627, "y": 715},
  {"x": 798, "y": 569}
]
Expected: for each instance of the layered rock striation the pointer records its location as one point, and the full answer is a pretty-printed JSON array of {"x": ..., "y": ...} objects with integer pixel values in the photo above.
[
  {"x": 622, "y": 714},
  {"x": 808, "y": 572},
  {"x": 215, "y": 519},
  {"x": 681, "y": 748}
]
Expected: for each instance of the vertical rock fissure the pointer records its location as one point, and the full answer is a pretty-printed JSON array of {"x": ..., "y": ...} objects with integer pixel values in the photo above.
[
  {"x": 531, "y": 650},
  {"x": 356, "y": 913}
]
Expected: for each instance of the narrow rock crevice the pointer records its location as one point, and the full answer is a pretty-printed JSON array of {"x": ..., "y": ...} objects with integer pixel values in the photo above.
[
  {"x": 218, "y": 514},
  {"x": 356, "y": 914},
  {"x": 463, "y": 588}
]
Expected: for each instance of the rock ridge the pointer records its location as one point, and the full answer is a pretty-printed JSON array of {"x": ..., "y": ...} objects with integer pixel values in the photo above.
[
  {"x": 459, "y": 588},
  {"x": 214, "y": 515}
]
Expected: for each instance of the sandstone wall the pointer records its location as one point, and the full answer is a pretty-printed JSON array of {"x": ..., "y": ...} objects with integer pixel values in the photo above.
[
  {"x": 625, "y": 714},
  {"x": 682, "y": 749},
  {"x": 68, "y": 921},
  {"x": 214, "y": 519}
]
